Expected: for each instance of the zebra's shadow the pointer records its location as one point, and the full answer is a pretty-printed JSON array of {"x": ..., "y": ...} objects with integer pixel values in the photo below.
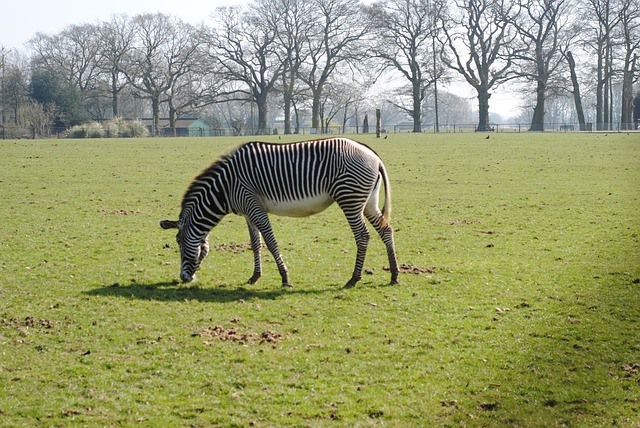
[{"x": 174, "y": 291}]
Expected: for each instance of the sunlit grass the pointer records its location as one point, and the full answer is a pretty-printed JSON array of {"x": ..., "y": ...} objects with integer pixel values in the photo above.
[{"x": 522, "y": 311}]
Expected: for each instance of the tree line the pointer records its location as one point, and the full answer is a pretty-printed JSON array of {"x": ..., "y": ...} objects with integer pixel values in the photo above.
[{"x": 326, "y": 56}]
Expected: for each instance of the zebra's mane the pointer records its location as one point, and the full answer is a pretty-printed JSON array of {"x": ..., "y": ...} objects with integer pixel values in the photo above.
[{"x": 209, "y": 171}]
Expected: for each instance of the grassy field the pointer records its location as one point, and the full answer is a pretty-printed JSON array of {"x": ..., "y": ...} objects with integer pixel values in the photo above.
[{"x": 519, "y": 302}]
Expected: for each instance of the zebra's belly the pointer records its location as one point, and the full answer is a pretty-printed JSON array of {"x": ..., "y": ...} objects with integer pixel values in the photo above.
[{"x": 299, "y": 207}]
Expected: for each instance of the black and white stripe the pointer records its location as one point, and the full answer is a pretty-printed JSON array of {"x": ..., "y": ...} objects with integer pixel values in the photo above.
[{"x": 298, "y": 179}]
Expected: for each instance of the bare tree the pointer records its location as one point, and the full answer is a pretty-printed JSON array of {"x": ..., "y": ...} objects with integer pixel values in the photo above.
[
  {"x": 293, "y": 21},
  {"x": 630, "y": 36},
  {"x": 244, "y": 45},
  {"x": 480, "y": 46},
  {"x": 601, "y": 30},
  {"x": 575, "y": 89},
  {"x": 116, "y": 37},
  {"x": 73, "y": 54},
  {"x": 163, "y": 52},
  {"x": 190, "y": 85},
  {"x": 37, "y": 117},
  {"x": 541, "y": 29},
  {"x": 339, "y": 29},
  {"x": 352, "y": 101},
  {"x": 198, "y": 87},
  {"x": 404, "y": 36},
  {"x": 15, "y": 87}
]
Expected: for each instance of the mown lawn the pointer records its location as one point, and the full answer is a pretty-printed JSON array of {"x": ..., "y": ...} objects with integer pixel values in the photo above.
[{"x": 519, "y": 304}]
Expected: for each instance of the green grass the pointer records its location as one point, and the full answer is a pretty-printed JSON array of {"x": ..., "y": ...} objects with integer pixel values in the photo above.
[{"x": 523, "y": 309}]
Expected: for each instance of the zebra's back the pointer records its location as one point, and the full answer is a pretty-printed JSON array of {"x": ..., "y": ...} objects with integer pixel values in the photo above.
[{"x": 301, "y": 179}]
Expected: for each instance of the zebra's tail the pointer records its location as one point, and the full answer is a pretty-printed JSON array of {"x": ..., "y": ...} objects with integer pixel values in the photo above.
[{"x": 386, "y": 208}]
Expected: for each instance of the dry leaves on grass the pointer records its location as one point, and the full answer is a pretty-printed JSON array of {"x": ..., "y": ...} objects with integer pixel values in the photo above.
[
  {"x": 407, "y": 268},
  {"x": 29, "y": 322},
  {"x": 234, "y": 248},
  {"x": 120, "y": 212},
  {"x": 216, "y": 333},
  {"x": 632, "y": 371}
]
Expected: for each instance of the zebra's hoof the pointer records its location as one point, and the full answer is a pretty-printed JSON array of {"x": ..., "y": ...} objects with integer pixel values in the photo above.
[
  {"x": 350, "y": 284},
  {"x": 287, "y": 285}
]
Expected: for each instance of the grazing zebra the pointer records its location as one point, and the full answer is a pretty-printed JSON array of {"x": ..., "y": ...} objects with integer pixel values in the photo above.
[{"x": 297, "y": 180}]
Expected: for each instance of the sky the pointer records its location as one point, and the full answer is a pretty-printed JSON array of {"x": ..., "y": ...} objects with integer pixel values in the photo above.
[{"x": 20, "y": 20}]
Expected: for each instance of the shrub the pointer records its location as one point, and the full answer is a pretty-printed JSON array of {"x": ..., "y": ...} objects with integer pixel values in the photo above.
[
  {"x": 114, "y": 128},
  {"x": 87, "y": 130},
  {"x": 78, "y": 131},
  {"x": 119, "y": 127},
  {"x": 94, "y": 130},
  {"x": 138, "y": 129}
]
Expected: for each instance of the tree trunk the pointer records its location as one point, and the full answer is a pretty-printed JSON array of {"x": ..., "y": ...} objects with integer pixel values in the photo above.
[
  {"x": 114, "y": 95},
  {"x": 316, "y": 120},
  {"x": 483, "y": 109},
  {"x": 606, "y": 101},
  {"x": 626, "y": 112},
  {"x": 600, "y": 88},
  {"x": 262, "y": 119},
  {"x": 417, "y": 106},
  {"x": 295, "y": 111},
  {"x": 287, "y": 114},
  {"x": 261, "y": 103},
  {"x": 155, "y": 108},
  {"x": 172, "y": 120},
  {"x": 576, "y": 91},
  {"x": 288, "y": 101},
  {"x": 537, "y": 121}
]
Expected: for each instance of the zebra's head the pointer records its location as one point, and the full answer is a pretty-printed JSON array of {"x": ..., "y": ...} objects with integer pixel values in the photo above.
[{"x": 192, "y": 250}]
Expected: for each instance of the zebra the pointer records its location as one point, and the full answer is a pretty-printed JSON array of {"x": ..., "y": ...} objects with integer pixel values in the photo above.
[{"x": 296, "y": 180}]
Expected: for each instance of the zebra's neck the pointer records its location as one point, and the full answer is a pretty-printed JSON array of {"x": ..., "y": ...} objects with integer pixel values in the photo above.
[{"x": 205, "y": 203}]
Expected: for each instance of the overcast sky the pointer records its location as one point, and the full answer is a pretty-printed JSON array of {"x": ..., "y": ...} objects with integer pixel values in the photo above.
[{"x": 20, "y": 20}]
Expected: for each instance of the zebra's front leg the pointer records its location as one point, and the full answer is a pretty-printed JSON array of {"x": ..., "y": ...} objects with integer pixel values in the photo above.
[
  {"x": 256, "y": 247},
  {"x": 361, "y": 235},
  {"x": 263, "y": 225}
]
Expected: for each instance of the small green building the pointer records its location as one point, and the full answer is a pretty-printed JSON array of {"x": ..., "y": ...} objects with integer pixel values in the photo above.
[{"x": 184, "y": 127}]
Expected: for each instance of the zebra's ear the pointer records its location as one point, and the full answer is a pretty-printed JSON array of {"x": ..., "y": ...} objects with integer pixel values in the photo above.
[{"x": 169, "y": 224}]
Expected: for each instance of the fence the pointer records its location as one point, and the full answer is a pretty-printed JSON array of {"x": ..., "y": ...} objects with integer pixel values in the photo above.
[
  {"x": 13, "y": 132},
  {"x": 520, "y": 127}
]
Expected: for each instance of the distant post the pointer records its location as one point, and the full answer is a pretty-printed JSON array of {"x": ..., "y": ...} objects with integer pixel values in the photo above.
[{"x": 377, "y": 123}]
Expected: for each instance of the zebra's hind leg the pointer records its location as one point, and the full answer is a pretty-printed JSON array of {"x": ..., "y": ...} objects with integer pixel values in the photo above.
[
  {"x": 256, "y": 247},
  {"x": 386, "y": 234},
  {"x": 361, "y": 235}
]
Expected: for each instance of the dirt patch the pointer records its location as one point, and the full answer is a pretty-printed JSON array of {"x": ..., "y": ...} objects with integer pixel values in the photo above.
[
  {"x": 234, "y": 248},
  {"x": 210, "y": 335},
  {"x": 407, "y": 268},
  {"x": 29, "y": 323},
  {"x": 120, "y": 212},
  {"x": 485, "y": 232},
  {"x": 632, "y": 371},
  {"x": 462, "y": 222},
  {"x": 488, "y": 407}
]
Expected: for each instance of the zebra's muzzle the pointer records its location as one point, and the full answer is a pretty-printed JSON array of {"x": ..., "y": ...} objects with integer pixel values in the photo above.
[{"x": 185, "y": 277}]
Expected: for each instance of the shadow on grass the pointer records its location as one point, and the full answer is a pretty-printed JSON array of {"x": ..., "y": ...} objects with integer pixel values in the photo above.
[{"x": 174, "y": 291}]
